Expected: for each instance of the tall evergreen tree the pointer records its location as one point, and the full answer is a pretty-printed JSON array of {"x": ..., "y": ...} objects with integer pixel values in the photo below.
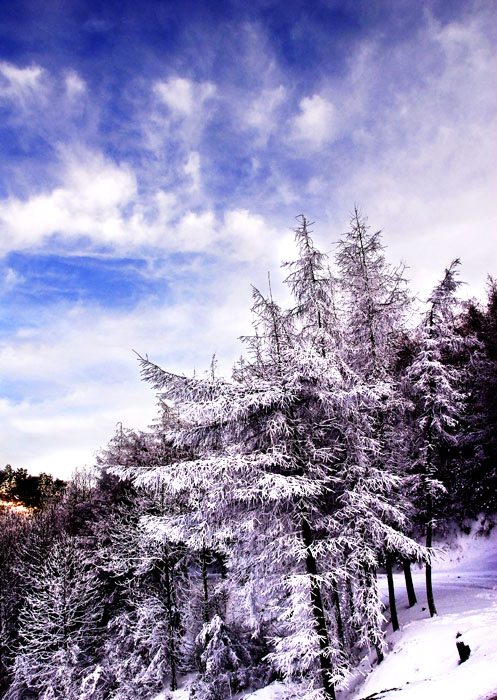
[
  {"x": 142, "y": 573},
  {"x": 13, "y": 529},
  {"x": 57, "y": 626},
  {"x": 251, "y": 436},
  {"x": 477, "y": 458},
  {"x": 375, "y": 301},
  {"x": 286, "y": 476},
  {"x": 437, "y": 389}
]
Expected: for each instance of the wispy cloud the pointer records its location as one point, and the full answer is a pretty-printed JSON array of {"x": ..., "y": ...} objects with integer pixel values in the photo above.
[
  {"x": 74, "y": 84},
  {"x": 20, "y": 83},
  {"x": 189, "y": 152},
  {"x": 262, "y": 114},
  {"x": 316, "y": 122},
  {"x": 182, "y": 96}
]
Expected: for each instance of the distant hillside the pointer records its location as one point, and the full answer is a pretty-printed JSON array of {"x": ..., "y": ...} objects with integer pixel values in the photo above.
[{"x": 22, "y": 491}]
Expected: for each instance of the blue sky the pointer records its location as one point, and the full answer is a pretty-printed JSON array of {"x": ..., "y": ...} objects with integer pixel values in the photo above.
[{"x": 153, "y": 157}]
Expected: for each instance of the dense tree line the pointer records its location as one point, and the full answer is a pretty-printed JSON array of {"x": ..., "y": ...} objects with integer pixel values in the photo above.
[
  {"x": 36, "y": 492},
  {"x": 240, "y": 537}
]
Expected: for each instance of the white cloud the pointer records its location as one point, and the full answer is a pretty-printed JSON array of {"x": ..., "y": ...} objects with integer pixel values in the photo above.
[
  {"x": 23, "y": 86},
  {"x": 177, "y": 94},
  {"x": 83, "y": 377},
  {"x": 89, "y": 203},
  {"x": 183, "y": 96},
  {"x": 10, "y": 280},
  {"x": 195, "y": 232},
  {"x": 99, "y": 203},
  {"x": 43, "y": 105},
  {"x": 262, "y": 112},
  {"x": 192, "y": 169},
  {"x": 249, "y": 236},
  {"x": 316, "y": 123},
  {"x": 74, "y": 84},
  {"x": 57, "y": 436},
  {"x": 427, "y": 172},
  {"x": 21, "y": 80}
]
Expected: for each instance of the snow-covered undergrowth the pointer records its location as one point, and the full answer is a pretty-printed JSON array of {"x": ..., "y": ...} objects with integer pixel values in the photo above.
[{"x": 423, "y": 662}]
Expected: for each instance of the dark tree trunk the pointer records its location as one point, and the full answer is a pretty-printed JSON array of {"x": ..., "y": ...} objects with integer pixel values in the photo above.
[
  {"x": 318, "y": 611},
  {"x": 368, "y": 580},
  {"x": 429, "y": 471},
  {"x": 335, "y": 599},
  {"x": 222, "y": 566},
  {"x": 411, "y": 593},
  {"x": 172, "y": 622},
  {"x": 350, "y": 597},
  {"x": 391, "y": 593},
  {"x": 205, "y": 586},
  {"x": 429, "y": 541},
  {"x": 379, "y": 653},
  {"x": 349, "y": 592}
]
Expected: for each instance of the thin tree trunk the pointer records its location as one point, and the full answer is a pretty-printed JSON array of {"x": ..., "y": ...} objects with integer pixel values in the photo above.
[
  {"x": 411, "y": 593},
  {"x": 335, "y": 599},
  {"x": 367, "y": 579},
  {"x": 172, "y": 623},
  {"x": 379, "y": 653},
  {"x": 350, "y": 597},
  {"x": 429, "y": 471},
  {"x": 205, "y": 586},
  {"x": 391, "y": 593},
  {"x": 222, "y": 566},
  {"x": 351, "y": 629},
  {"x": 318, "y": 611},
  {"x": 429, "y": 541}
]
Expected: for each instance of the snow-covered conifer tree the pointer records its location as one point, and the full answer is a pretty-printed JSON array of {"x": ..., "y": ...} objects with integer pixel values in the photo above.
[
  {"x": 440, "y": 401},
  {"x": 261, "y": 471},
  {"x": 12, "y": 531},
  {"x": 57, "y": 625},
  {"x": 375, "y": 300},
  {"x": 284, "y": 478},
  {"x": 476, "y": 467},
  {"x": 313, "y": 287},
  {"x": 142, "y": 651}
]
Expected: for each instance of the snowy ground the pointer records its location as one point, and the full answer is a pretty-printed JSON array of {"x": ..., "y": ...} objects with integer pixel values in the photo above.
[{"x": 423, "y": 662}]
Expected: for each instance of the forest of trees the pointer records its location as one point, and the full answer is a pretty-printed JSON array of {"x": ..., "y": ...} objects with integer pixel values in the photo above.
[
  {"x": 241, "y": 536},
  {"x": 33, "y": 492}
]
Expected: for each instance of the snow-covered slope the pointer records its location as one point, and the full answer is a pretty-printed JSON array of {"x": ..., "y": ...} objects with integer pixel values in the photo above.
[{"x": 423, "y": 663}]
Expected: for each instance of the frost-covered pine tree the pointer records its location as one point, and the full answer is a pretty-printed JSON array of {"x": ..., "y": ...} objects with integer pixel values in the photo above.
[
  {"x": 375, "y": 300},
  {"x": 314, "y": 290},
  {"x": 143, "y": 573},
  {"x": 436, "y": 384},
  {"x": 12, "y": 531},
  {"x": 57, "y": 625},
  {"x": 476, "y": 468},
  {"x": 218, "y": 662},
  {"x": 284, "y": 479},
  {"x": 257, "y": 484}
]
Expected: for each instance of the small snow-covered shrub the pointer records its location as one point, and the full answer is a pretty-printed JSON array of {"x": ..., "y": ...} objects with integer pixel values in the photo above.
[{"x": 227, "y": 662}]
